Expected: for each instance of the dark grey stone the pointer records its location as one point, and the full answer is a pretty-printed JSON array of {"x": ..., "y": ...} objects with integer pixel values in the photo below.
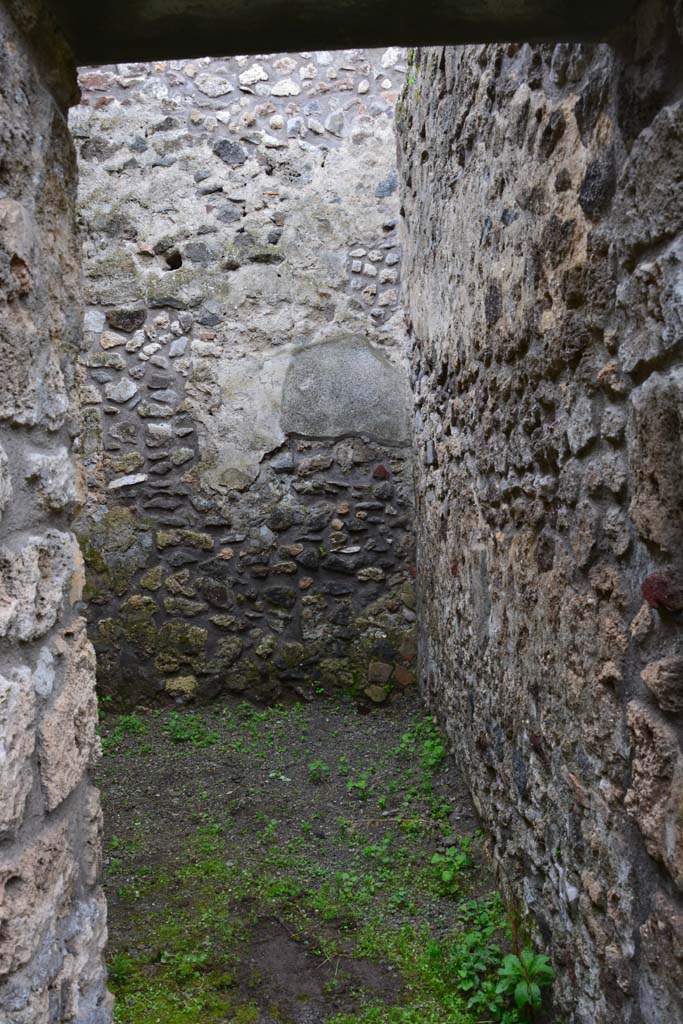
[{"x": 231, "y": 153}]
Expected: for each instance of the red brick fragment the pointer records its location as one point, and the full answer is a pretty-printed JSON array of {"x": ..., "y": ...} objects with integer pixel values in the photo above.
[{"x": 663, "y": 589}]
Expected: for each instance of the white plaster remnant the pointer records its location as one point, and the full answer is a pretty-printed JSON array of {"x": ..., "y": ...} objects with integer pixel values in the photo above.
[
  {"x": 286, "y": 87},
  {"x": 130, "y": 480},
  {"x": 213, "y": 85},
  {"x": 255, "y": 73}
]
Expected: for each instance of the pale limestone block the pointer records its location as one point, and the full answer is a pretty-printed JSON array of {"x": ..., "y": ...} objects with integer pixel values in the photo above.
[
  {"x": 67, "y": 736},
  {"x": 33, "y": 581},
  {"x": 55, "y": 478},
  {"x": 213, "y": 85},
  {"x": 5, "y": 481},
  {"x": 37, "y": 884},
  {"x": 80, "y": 980},
  {"x": 655, "y": 797},
  {"x": 91, "y": 850},
  {"x": 17, "y": 743}
]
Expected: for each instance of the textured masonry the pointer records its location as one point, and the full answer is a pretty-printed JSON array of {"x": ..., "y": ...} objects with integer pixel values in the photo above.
[
  {"x": 544, "y": 206},
  {"x": 52, "y": 912},
  {"x": 249, "y": 518},
  {"x": 543, "y": 195}
]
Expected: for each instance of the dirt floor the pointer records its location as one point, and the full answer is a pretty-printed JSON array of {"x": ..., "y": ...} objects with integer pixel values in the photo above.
[{"x": 295, "y": 865}]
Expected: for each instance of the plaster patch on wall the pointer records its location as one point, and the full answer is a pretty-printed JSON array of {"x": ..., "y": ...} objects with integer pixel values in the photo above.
[{"x": 344, "y": 387}]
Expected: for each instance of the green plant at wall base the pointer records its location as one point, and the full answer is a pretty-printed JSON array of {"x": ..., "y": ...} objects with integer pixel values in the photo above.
[
  {"x": 424, "y": 741},
  {"x": 470, "y": 966},
  {"x": 522, "y": 977},
  {"x": 433, "y": 754},
  {"x": 451, "y": 863},
  {"x": 121, "y": 968},
  {"x": 473, "y": 967}
]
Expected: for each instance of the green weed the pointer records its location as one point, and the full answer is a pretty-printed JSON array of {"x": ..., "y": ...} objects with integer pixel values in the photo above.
[
  {"x": 184, "y": 727},
  {"x": 318, "y": 771},
  {"x": 359, "y": 787},
  {"x": 450, "y": 865},
  {"x": 522, "y": 976}
]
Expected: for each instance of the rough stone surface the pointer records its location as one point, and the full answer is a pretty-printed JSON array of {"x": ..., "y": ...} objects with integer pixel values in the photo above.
[
  {"x": 542, "y": 277},
  {"x": 67, "y": 741},
  {"x": 52, "y": 917},
  {"x": 661, "y": 980},
  {"x": 231, "y": 457},
  {"x": 34, "y": 580},
  {"x": 542, "y": 194},
  {"x": 655, "y": 796},
  {"x": 345, "y": 386},
  {"x": 664, "y": 679},
  {"x": 17, "y": 732}
]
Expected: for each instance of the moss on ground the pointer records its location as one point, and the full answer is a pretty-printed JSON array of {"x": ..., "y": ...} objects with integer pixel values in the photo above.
[{"x": 294, "y": 864}]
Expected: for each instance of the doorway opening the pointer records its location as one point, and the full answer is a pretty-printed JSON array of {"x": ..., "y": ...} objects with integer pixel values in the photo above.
[{"x": 286, "y": 837}]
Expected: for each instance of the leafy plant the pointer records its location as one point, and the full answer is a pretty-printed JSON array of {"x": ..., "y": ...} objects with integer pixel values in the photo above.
[
  {"x": 269, "y": 831},
  {"x": 318, "y": 771},
  {"x": 522, "y": 977},
  {"x": 354, "y": 887},
  {"x": 424, "y": 739},
  {"x": 121, "y": 968},
  {"x": 187, "y": 728},
  {"x": 451, "y": 863},
  {"x": 132, "y": 724},
  {"x": 103, "y": 703},
  {"x": 186, "y": 964},
  {"x": 379, "y": 851},
  {"x": 470, "y": 963},
  {"x": 399, "y": 899},
  {"x": 345, "y": 827},
  {"x": 359, "y": 787}
]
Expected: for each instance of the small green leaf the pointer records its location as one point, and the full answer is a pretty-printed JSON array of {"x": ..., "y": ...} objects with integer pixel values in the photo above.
[{"x": 522, "y": 994}]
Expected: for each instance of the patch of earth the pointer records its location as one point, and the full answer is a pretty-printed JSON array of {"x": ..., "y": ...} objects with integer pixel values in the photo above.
[
  {"x": 304, "y": 864},
  {"x": 299, "y": 985}
]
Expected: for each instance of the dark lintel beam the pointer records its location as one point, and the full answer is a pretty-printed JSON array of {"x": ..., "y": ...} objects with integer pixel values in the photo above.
[{"x": 109, "y": 31}]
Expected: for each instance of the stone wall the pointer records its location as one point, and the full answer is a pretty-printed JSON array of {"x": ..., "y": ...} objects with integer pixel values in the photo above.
[
  {"x": 52, "y": 914},
  {"x": 249, "y": 522},
  {"x": 543, "y": 199}
]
